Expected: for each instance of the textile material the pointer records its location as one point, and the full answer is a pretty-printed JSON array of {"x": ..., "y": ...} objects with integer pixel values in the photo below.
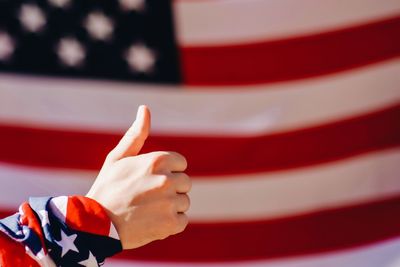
[{"x": 58, "y": 232}]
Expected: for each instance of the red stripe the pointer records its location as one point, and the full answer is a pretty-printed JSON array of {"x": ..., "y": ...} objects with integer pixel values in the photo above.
[
  {"x": 6, "y": 213},
  {"x": 312, "y": 233},
  {"x": 212, "y": 155},
  {"x": 291, "y": 58}
]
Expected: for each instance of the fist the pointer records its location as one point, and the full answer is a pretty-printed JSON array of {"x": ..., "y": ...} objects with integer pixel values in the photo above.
[{"x": 146, "y": 195}]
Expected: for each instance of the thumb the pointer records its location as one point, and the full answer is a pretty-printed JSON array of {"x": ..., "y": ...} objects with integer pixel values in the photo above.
[{"x": 133, "y": 140}]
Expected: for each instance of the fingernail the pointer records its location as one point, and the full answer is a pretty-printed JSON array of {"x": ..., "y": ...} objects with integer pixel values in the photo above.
[{"x": 140, "y": 111}]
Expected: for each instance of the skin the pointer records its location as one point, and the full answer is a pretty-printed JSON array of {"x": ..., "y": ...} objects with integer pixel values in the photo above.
[{"x": 145, "y": 195}]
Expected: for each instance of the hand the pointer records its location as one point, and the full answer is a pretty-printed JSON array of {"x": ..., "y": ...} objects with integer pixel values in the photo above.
[{"x": 144, "y": 195}]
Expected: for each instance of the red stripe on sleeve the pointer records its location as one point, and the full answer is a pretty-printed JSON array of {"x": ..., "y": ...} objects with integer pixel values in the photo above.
[{"x": 86, "y": 215}]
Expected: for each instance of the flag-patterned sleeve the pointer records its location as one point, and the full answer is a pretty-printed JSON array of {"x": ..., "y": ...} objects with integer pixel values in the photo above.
[{"x": 58, "y": 231}]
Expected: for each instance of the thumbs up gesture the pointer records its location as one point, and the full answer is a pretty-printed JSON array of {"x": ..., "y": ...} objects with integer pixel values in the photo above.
[{"x": 145, "y": 195}]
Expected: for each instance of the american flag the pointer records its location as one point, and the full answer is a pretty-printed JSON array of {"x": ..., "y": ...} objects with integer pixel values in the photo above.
[{"x": 288, "y": 112}]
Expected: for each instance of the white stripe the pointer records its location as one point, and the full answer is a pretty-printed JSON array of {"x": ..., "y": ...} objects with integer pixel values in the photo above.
[
  {"x": 278, "y": 194},
  {"x": 384, "y": 254},
  {"x": 113, "y": 232},
  {"x": 237, "y": 21},
  {"x": 42, "y": 259},
  {"x": 240, "y": 198},
  {"x": 111, "y": 107},
  {"x": 36, "y": 182},
  {"x": 58, "y": 205}
]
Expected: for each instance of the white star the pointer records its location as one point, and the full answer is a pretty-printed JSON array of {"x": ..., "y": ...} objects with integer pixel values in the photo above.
[
  {"x": 99, "y": 26},
  {"x": 7, "y": 46},
  {"x": 60, "y": 3},
  {"x": 140, "y": 58},
  {"x": 132, "y": 5},
  {"x": 71, "y": 52},
  {"x": 67, "y": 243},
  {"x": 90, "y": 262},
  {"x": 32, "y": 18},
  {"x": 44, "y": 217}
]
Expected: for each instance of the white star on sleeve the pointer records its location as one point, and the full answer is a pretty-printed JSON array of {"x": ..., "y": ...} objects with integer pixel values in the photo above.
[
  {"x": 7, "y": 46},
  {"x": 70, "y": 52},
  {"x": 132, "y": 5},
  {"x": 89, "y": 262},
  {"x": 67, "y": 243},
  {"x": 99, "y": 26},
  {"x": 32, "y": 18},
  {"x": 140, "y": 58}
]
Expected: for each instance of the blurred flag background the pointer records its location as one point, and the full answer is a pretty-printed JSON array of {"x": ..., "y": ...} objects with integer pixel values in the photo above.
[{"x": 287, "y": 110}]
